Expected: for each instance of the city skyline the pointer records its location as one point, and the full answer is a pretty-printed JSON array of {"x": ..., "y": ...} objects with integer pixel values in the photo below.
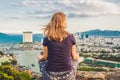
[{"x": 18, "y": 16}]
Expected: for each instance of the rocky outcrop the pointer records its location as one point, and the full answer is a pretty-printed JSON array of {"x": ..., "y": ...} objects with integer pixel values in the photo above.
[
  {"x": 92, "y": 75},
  {"x": 113, "y": 75}
]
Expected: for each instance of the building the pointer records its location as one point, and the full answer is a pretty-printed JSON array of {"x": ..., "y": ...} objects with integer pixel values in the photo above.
[
  {"x": 86, "y": 35},
  {"x": 27, "y": 37}
]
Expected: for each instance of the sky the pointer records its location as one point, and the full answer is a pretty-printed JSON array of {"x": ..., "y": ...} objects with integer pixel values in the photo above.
[{"x": 17, "y": 16}]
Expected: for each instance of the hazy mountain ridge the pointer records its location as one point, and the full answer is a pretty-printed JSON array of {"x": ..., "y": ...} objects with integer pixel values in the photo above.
[
  {"x": 18, "y": 38},
  {"x": 98, "y": 32}
]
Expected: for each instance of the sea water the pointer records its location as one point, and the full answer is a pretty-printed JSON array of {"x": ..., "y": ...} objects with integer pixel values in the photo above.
[{"x": 28, "y": 58}]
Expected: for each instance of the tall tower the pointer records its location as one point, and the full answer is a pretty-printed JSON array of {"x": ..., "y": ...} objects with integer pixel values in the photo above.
[{"x": 27, "y": 37}]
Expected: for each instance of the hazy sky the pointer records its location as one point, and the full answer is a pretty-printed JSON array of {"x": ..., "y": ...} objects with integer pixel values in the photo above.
[{"x": 17, "y": 16}]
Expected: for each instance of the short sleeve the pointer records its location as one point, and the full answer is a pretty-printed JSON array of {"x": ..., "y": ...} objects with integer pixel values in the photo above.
[
  {"x": 45, "y": 42},
  {"x": 73, "y": 39}
]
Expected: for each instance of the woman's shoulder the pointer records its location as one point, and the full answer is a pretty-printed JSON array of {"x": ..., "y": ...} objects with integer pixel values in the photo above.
[
  {"x": 72, "y": 38},
  {"x": 70, "y": 35},
  {"x": 45, "y": 38}
]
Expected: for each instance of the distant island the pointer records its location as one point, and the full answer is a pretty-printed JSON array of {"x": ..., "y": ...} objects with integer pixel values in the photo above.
[{"x": 18, "y": 38}]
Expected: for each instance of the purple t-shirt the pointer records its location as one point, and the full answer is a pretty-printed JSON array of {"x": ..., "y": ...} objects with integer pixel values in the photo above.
[{"x": 59, "y": 54}]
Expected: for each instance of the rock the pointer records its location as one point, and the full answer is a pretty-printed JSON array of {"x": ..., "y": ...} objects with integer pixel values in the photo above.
[
  {"x": 113, "y": 76},
  {"x": 88, "y": 75},
  {"x": 92, "y": 75}
]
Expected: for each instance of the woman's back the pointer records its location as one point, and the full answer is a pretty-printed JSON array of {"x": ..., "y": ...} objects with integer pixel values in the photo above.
[
  {"x": 59, "y": 50},
  {"x": 59, "y": 54}
]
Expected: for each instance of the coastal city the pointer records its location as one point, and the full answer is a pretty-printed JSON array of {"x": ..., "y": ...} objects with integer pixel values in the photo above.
[
  {"x": 83, "y": 39},
  {"x": 96, "y": 53}
]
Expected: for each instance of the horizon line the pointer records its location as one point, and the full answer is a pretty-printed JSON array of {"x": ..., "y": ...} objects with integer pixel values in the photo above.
[{"x": 42, "y": 33}]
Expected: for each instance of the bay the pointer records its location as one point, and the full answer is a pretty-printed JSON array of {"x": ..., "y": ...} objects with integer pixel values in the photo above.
[{"x": 28, "y": 59}]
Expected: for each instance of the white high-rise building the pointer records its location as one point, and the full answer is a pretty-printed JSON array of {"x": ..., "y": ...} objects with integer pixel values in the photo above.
[{"x": 27, "y": 37}]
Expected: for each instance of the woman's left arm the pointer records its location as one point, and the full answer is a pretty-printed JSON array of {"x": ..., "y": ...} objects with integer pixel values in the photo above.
[{"x": 45, "y": 54}]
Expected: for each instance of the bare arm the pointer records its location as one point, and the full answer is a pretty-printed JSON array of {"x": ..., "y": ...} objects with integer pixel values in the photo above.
[
  {"x": 74, "y": 54},
  {"x": 45, "y": 54}
]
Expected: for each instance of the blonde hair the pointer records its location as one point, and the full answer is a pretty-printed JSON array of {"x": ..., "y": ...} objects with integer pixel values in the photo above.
[{"x": 55, "y": 30}]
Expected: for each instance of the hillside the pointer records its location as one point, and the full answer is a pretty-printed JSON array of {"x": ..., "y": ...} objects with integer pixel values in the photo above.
[
  {"x": 98, "y": 32},
  {"x": 17, "y": 38}
]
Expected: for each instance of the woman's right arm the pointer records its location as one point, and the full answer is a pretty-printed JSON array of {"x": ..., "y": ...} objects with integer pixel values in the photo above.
[
  {"x": 74, "y": 55},
  {"x": 45, "y": 54}
]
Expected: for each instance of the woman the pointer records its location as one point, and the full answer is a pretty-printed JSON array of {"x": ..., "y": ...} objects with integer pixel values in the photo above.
[{"x": 59, "y": 48}]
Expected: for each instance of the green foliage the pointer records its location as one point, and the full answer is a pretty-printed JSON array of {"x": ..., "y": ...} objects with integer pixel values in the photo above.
[
  {"x": 85, "y": 55},
  {"x": 1, "y": 53},
  {"x": 7, "y": 70},
  {"x": 14, "y": 62},
  {"x": 1, "y": 75},
  {"x": 11, "y": 54},
  {"x": 6, "y": 77},
  {"x": 17, "y": 75},
  {"x": 25, "y": 76},
  {"x": 91, "y": 69},
  {"x": 109, "y": 57},
  {"x": 9, "y": 73},
  {"x": 21, "y": 76},
  {"x": 5, "y": 63},
  {"x": 10, "y": 78}
]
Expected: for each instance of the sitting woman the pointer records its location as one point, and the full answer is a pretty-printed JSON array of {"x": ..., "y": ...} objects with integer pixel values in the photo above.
[{"x": 59, "y": 59}]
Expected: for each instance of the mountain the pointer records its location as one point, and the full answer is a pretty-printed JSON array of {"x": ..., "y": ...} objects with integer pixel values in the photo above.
[
  {"x": 37, "y": 37},
  {"x": 16, "y": 38},
  {"x": 9, "y": 38},
  {"x": 98, "y": 32}
]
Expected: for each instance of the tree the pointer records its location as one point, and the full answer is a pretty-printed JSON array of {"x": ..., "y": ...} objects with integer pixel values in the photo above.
[
  {"x": 14, "y": 62},
  {"x": 10, "y": 73},
  {"x": 25, "y": 76},
  {"x": 10, "y": 78},
  {"x": 5, "y": 63},
  {"x": 11, "y": 54},
  {"x": 6, "y": 77},
  {"x": 7, "y": 70},
  {"x": 1, "y": 75},
  {"x": 1, "y": 53},
  {"x": 16, "y": 74}
]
